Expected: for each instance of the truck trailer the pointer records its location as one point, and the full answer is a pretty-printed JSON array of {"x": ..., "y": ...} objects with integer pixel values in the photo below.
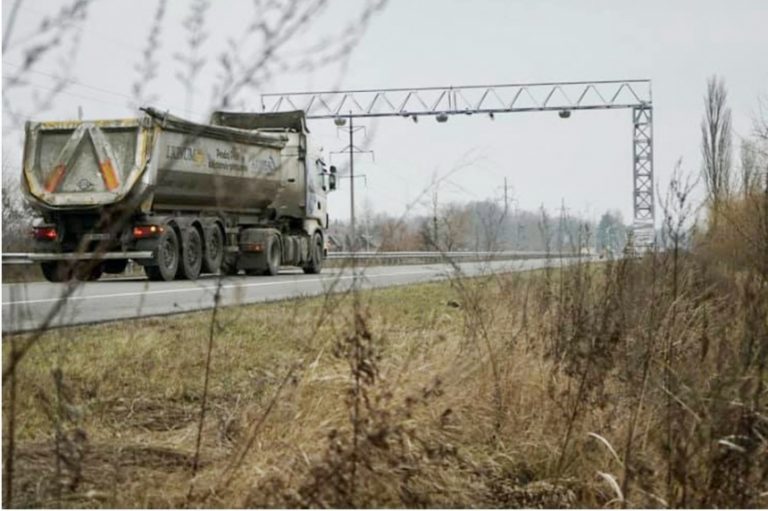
[{"x": 245, "y": 192}]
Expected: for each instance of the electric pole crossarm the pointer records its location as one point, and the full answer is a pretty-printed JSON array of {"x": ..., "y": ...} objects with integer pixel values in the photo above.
[{"x": 469, "y": 99}]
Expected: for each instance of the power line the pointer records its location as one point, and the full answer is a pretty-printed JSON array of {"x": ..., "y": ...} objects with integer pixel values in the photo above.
[
  {"x": 87, "y": 86},
  {"x": 70, "y": 80},
  {"x": 68, "y": 93}
]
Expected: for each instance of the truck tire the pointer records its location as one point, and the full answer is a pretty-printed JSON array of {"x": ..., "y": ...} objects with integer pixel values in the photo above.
[
  {"x": 213, "y": 254},
  {"x": 229, "y": 267},
  {"x": 191, "y": 260},
  {"x": 315, "y": 264},
  {"x": 96, "y": 273},
  {"x": 55, "y": 271},
  {"x": 84, "y": 273},
  {"x": 115, "y": 265},
  {"x": 62, "y": 271},
  {"x": 274, "y": 257},
  {"x": 269, "y": 260},
  {"x": 167, "y": 257}
]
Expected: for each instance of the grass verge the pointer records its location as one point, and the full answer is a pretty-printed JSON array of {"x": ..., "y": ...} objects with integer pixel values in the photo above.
[{"x": 542, "y": 389}]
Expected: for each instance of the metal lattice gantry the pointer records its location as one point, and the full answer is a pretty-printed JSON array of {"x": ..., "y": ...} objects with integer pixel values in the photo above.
[
  {"x": 442, "y": 102},
  {"x": 642, "y": 163}
]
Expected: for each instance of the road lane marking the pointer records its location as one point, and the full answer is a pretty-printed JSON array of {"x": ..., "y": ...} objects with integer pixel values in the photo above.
[{"x": 213, "y": 288}]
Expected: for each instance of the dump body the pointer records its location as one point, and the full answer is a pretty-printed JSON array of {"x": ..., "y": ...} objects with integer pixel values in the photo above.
[
  {"x": 189, "y": 172},
  {"x": 82, "y": 175},
  {"x": 179, "y": 165},
  {"x": 83, "y": 164}
]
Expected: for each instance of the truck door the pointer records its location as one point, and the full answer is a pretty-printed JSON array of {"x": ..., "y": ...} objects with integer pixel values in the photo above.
[{"x": 316, "y": 189}]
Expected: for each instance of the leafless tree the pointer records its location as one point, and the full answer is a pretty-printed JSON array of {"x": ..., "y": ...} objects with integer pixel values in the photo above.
[
  {"x": 193, "y": 60},
  {"x": 492, "y": 217},
  {"x": 448, "y": 225},
  {"x": 57, "y": 36},
  {"x": 750, "y": 171},
  {"x": 760, "y": 140},
  {"x": 761, "y": 121},
  {"x": 678, "y": 211},
  {"x": 455, "y": 227},
  {"x": 716, "y": 142},
  {"x": 16, "y": 217},
  {"x": 147, "y": 66}
]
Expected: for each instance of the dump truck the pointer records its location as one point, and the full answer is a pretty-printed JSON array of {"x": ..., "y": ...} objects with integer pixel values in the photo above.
[{"x": 245, "y": 192}]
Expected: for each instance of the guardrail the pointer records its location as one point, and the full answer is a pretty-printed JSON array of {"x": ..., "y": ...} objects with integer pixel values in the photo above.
[
  {"x": 17, "y": 258},
  {"x": 30, "y": 258},
  {"x": 505, "y": 254}
]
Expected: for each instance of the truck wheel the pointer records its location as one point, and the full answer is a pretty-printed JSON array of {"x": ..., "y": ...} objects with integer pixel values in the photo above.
[
  {"x": 229, "y": 267},
  {"x": 315, "y": 264},
  {"x": 191, "y": 260},
  {"x": 57, "y": 271},
  {"x": 95, "y": 273},
  {"x": 83, "y": 273},
  {"x": 274, "y": 256},
  {"x": 269, "y": 260},
  {"x": 214, "y": 250},
  {"x": 115, "y": 265},
  {"x": 167, "y": 257}
]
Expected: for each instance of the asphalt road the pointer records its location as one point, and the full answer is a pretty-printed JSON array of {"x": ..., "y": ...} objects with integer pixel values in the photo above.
[{"x": 26, "y": 306}]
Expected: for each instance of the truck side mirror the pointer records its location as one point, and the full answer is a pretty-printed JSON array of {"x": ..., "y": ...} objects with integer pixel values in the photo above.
[{"x": 332, "y": 178}]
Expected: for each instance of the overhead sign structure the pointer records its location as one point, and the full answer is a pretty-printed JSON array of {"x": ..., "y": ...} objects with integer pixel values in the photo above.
[{"x": 443, "y": 102}]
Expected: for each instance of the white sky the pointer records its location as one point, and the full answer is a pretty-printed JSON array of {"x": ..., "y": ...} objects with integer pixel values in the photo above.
[{"x": 585, "y": 160}]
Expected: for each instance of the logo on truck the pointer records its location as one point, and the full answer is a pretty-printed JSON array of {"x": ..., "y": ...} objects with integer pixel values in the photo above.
[
  {"x": 268, "y": 166},
  {"x": 176, "y": 152},
  {"x": 231, "y": 159},
  {"x": 85, "y": 185}
]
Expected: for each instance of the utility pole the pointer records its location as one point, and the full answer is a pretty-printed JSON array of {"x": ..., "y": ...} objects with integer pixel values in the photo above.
[
  {"x": 562, "y": 225},
  {"x": 350, "y": 151},
  {"x": 434, "y": 217},
  {"x": 352, "y": 182},
  {"x": 506, "y": 197}
]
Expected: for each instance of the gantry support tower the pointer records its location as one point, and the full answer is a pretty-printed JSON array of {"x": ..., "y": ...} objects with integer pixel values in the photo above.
[{"x": 442, "y": 102}]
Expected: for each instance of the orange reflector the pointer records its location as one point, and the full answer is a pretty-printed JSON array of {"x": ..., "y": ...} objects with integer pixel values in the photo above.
[
  {"x": 252, "y": 247},
  {"x": 54, "y": 180},
  {"x": 147, "y": 231},
  {"x": 45, "y": 233},
  {"x": 108, "y": 173}
]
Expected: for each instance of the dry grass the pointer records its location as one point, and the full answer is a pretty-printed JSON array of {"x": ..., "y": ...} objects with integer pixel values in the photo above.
[{"x": 591, "y": 387}]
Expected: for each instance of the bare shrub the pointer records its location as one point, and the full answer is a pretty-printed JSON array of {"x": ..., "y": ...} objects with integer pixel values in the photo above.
[{"x": 378, "y": 458}]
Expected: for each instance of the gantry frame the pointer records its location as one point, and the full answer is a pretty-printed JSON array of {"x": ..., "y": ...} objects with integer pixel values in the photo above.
[{"x": 441, "y": 102}]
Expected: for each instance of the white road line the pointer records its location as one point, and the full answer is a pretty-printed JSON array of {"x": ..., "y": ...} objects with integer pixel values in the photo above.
[{"x": 213, "y": 288}]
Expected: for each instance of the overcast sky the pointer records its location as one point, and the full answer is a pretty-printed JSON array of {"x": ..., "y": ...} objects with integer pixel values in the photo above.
[{"x": 585, "y": 160}]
